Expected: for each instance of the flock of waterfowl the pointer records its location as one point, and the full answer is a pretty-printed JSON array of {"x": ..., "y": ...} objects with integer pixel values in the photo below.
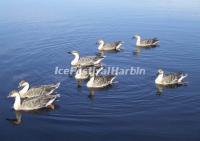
[{"x": 33, "y": 98}]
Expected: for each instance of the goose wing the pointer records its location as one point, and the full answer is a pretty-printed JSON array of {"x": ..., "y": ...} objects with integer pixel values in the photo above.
[
  {"x": 42, "y": 90},
  {"x": 112, "y": 45},
  {"x": 103, "y": 80},
  {"x": 149, "y": 41},
  {"x": 89, "y": 60},
  {"x": 172, "y": 78},
  {"x": 37, "y": 102}
]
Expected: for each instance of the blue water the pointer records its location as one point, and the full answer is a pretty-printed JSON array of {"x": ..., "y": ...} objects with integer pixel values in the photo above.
[{"x": 36, "y": 35}]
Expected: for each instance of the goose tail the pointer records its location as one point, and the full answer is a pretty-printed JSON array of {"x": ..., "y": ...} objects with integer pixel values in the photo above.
[
  {"x": 57, "y": 85},
  {"x": 119, "y": 46},
  {"x": 182, "y": 77},
  {"x": 155, "y": 41}
]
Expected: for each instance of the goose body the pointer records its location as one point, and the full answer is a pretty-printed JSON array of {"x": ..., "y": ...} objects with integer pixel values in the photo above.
[
  {"x": 169, "y": 79},
  {"x": 98, "y": 81},
  {"x": 33, "y": 103},
  {"x": 86, "y": 60},
  {"x": 27, "y": 92},
  {"x": 109, "y": 46},
  {"x": 82, "y": 73},
  {"x": 145, "y": 42}
]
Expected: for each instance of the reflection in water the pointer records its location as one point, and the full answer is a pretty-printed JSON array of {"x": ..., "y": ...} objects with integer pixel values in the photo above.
[
  {"x": 102, "y": 53},
  {"x": 93, "y": 90},
  {"x": 160, "y": 88},
  {"x": 17, "y": 120},
  {"x": 18, "y": 114},
  {"x": 138, "y": 49},
  {"x": 79, "y": 83},
  {"x": 91, "y": 94}
]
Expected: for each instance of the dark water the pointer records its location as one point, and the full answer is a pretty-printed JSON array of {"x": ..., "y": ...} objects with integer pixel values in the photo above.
[{"x": 36, "y": 35}]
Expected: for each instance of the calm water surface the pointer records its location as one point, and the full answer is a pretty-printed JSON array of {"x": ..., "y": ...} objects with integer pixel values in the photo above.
[{"x": 36, "y": 35}]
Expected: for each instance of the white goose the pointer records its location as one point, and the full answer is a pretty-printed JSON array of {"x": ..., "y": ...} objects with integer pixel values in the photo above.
[
  {"x": 169, "y": 79},
  {"x": 86, "y": 60},
  {"x": 109, "y": 46},
  {"x": 26, "y": 91},
  {"x": 145, "y": 42},
  {"x": 33, "y": 103}
]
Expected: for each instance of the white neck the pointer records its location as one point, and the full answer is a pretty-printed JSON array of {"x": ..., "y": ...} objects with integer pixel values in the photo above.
[
  {"x": 138, "y": 40},
  {"x": 78, "y": 73},
  {"x": 17, "y": 103},
  {"x": 24, "y": 89},
  {"x": 90, "y": 82},
  {"x": 159, "y": 79},
  {"x": 101, "y": 46},
  {"x": 76, "y": 58}
]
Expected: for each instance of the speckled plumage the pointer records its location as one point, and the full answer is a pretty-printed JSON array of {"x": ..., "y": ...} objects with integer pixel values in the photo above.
[
  {"x": 38, "y": 91},
  {"x": 109, "y": 46},
  {"x": 37, "y": 102}
]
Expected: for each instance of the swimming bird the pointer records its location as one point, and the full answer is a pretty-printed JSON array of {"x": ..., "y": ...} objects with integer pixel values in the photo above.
[
  {"x": 36, "y": 91},
  {"x": 169, "y": 79},
  {"x": 86, "y": 60},
  {"x": 109, "y": 46},
  {"x": 145, "y": 42},
  {"x": 97, "y": 81},
  {"x": 84, "y": 72},
  {"x": 33, "y": 103}
]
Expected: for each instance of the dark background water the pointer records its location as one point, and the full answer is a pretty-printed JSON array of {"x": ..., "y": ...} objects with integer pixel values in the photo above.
[{"x": 36, "y": 35}]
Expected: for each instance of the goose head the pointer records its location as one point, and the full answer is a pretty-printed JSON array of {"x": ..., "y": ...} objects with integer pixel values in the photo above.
[
  {"x": 75, "y": 53},
  {"x": 23, "y": 83},
  {"x": 100, "y": 42},
  {"x": 136, "y": 37},
  {"x": 76, "y": 57},
  {"x": 13, "y": 93},
  {"x": 160, "y": 72}
]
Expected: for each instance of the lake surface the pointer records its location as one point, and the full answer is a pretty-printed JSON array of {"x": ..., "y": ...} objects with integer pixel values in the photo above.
[{"x": 36, "y": 35}]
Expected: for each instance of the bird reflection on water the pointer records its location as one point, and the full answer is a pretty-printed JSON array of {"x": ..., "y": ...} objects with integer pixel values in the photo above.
[
  {"x": 92, "y": 91},
  {"x": 17, "y": 120},
  {"x": 160, "y": 88},
  {"x": 19, "y": 114},
  {"x": 138, "y": 49}
]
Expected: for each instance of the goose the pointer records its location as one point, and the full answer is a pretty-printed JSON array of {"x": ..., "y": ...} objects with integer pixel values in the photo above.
[
  {"x": 145, "y": 42},
  {"x": 86, "y": 60},
  {"x": 25, "y": 92},
  {"x": 169, "y": 79},
  {"x": 83, "y": 73},
  {"x": 97, "y": 81},
  {"x": 102, "y": 46},
  {"x": 33, "y": 103}
]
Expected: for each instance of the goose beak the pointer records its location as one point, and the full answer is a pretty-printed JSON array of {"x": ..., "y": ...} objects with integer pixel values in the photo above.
[{"x": 69, "y": 52}]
